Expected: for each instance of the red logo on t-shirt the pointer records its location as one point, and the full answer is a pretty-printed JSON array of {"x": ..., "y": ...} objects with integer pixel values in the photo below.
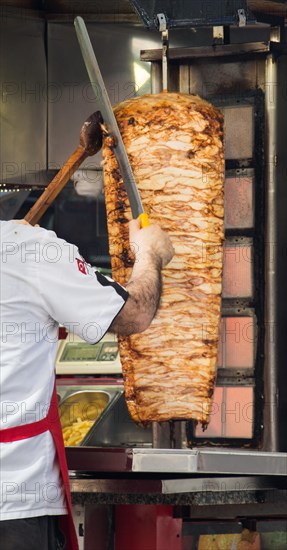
[{"x": 81, "y": 266}]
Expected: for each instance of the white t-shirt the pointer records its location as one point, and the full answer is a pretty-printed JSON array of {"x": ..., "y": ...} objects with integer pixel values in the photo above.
[{"x": 43, "y": 282}]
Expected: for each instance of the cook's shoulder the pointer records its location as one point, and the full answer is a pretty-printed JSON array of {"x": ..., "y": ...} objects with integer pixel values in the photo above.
[
  {"x": 24, "y": 232},
  {"x": 24, "y": 239}
]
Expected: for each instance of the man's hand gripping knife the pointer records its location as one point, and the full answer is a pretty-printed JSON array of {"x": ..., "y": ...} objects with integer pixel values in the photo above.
[{"x": 153, "y": 250}]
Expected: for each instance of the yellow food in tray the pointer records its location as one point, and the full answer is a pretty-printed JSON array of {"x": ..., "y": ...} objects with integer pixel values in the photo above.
[
  {"x": 75, "y": 432},
  {"x": 78, "y": 413}
]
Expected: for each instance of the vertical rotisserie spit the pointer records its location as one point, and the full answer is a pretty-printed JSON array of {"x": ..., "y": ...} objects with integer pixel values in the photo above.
[{"x": 175, "y": 146}]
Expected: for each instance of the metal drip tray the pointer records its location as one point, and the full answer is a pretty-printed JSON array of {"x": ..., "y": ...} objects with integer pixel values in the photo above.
[
  {"x": 78, "y": 413},
  {"x": 115, "y": 428},
  {"x": 103, "y": 411}
]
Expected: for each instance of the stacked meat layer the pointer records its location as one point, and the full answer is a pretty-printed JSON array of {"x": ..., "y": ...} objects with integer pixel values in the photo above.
[{"x": 175, "y": 146}]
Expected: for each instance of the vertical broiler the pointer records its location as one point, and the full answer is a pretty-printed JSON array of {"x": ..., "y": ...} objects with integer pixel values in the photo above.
[
  {"x": 175, "y": 152},
  {"x": 244, "y": 441},
  {"x": 231, "y": 415},
  {"x": 161, "y": 133},
  {"x": 242, "y": 80}
]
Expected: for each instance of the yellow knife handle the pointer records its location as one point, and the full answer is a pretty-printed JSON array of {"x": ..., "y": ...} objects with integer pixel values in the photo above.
[{"x": 144, "y": 221}]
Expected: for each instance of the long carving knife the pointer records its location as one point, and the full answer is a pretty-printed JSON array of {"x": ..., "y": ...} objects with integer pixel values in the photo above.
[{"x": 105, "y": 107}]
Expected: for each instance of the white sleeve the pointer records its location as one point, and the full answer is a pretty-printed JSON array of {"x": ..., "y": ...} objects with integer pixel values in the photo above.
[{"x": 75, "y": 294}]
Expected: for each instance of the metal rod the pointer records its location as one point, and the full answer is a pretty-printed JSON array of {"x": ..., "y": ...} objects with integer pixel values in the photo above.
[
  {"x": 156, "y": 78},
  {"x": 161, "y": 435},
  {"x": 162, "y": 23},
  {"x": 270, "y": 413},
  {"x": 224, "y": 389},
  {"x": 164, "y": 60},
  {"x": 167, "y": 435}
]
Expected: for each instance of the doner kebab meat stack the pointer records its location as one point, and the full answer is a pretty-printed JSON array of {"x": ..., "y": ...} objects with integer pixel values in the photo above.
[{"x": 175, "y": 147}]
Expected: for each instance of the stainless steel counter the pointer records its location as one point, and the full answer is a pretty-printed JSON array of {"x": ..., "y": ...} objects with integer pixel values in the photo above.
[{"x": 176, "y": 461}]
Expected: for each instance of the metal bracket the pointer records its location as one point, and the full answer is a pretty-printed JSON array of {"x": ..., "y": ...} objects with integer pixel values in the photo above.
[
  {"x": 162, "y": 22},
  {"x": 218, "y": 34},
  {"x": 275, "y": 34},
  {"x": 242, "y": 18}
]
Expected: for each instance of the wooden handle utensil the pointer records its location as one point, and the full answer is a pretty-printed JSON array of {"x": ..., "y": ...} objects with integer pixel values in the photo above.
[{"x": 90, "y": 144}]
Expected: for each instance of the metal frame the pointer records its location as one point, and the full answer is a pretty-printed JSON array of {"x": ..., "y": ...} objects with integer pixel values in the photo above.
[
  {"x": 197, "y": 54},
  {"x": 197, "y": 13},
  {"x": 271, "y": 214},
  {"x": 270, "y": 107}
]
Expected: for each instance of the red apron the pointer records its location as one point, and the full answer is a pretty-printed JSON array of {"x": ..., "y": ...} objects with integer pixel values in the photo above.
[{"x": 52, "y": 424}]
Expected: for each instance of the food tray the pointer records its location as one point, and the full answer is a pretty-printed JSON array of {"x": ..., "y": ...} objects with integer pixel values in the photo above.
[
  {"x": 84, "y": 406},
  {"x": 115, "y": 428}
]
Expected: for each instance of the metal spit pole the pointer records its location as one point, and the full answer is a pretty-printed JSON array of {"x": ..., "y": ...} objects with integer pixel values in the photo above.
[
  {"x": 168, "y": 435},
  {"x": 165, "y": 435}
]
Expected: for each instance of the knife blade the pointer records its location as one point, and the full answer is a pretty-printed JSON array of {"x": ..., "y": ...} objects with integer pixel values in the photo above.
[{"x": 106, "y": 109}]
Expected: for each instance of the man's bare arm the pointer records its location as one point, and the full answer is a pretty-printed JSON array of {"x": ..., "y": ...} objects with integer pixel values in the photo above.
[{"x": 153, "y": 250}]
